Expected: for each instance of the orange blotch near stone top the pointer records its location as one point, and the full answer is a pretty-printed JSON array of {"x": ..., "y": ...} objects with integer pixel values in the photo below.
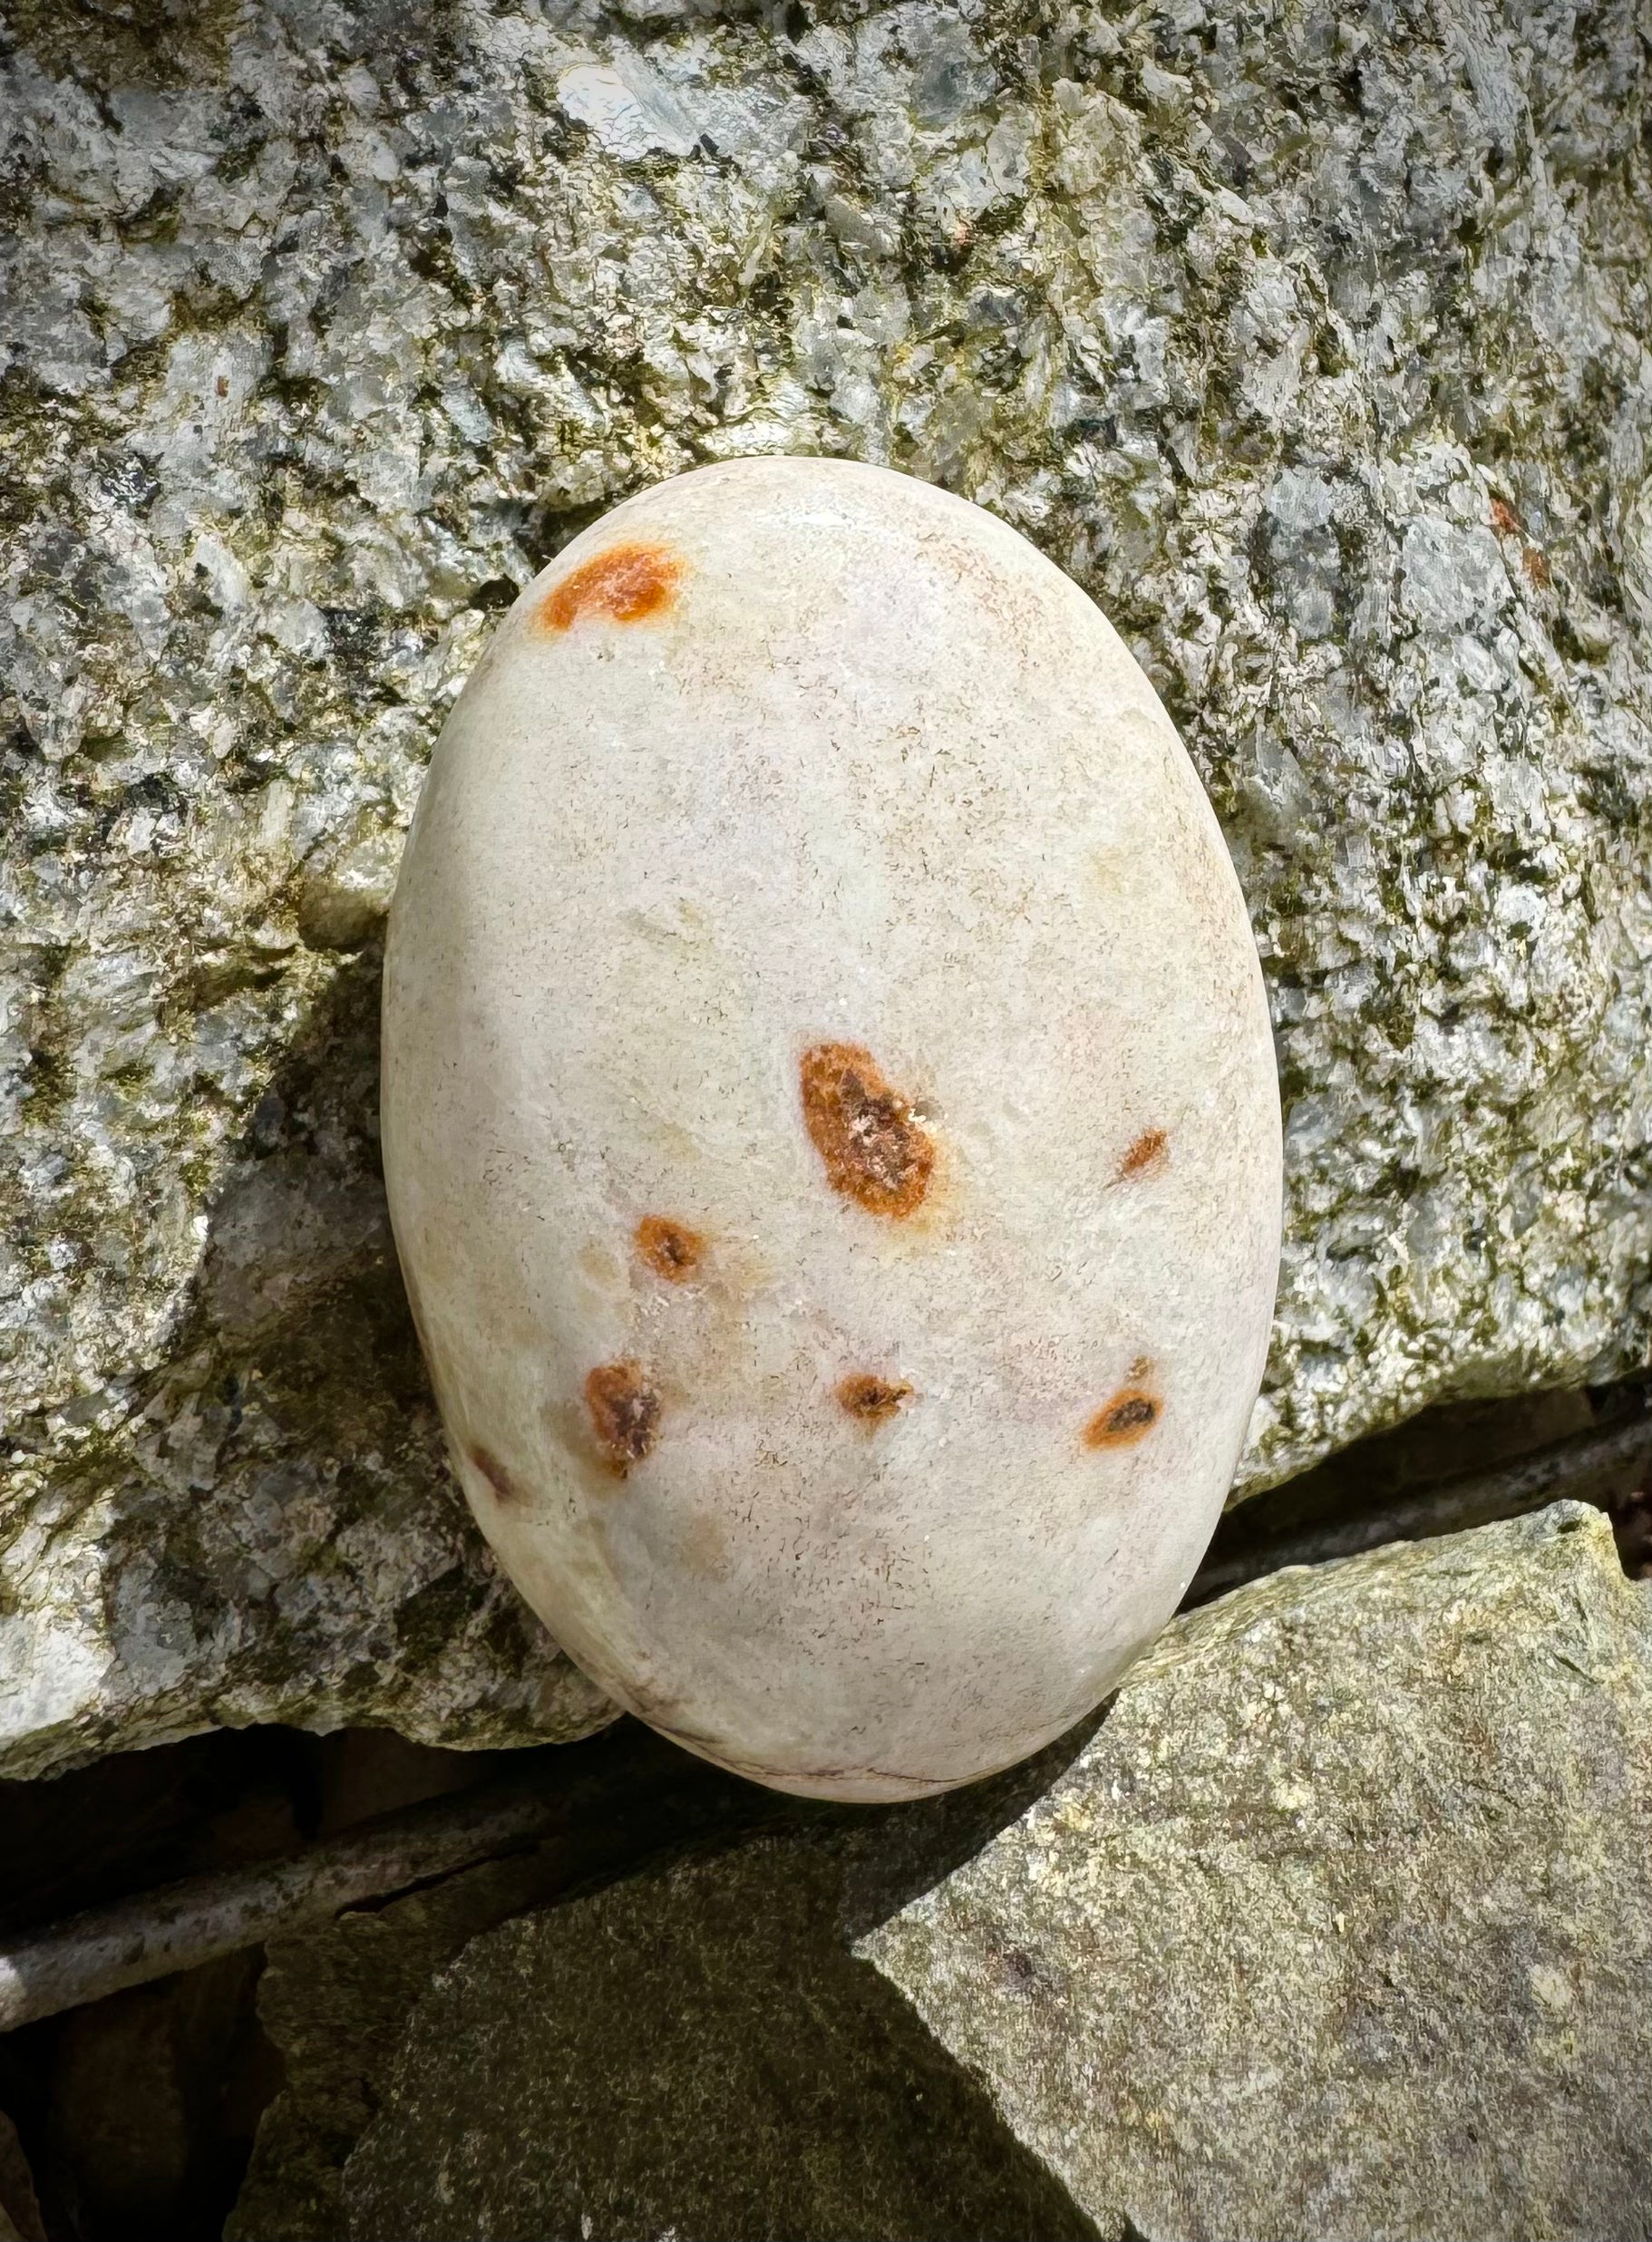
[
  {"x": 1121, "y": 1422},
  {"x": 624, "y": 1413},
  {"x": 627, "y": 584},
  {"x": 875, "y": 1149},
  {"x": 671, "y": 1249},
  {"x": 1150, "y": 1152},
  {"x": 871, "y": 1398}
]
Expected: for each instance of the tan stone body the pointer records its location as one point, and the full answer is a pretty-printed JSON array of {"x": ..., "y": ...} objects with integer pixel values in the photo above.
[{"x": 831, "y": 1126}]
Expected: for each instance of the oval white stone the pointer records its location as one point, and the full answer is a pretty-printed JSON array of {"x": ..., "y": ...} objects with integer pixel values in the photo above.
[{"x": 831, "y": 1126}]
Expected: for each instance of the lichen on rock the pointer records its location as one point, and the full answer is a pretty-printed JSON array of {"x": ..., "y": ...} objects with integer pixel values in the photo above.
[{"x": 1311, "y": 343}]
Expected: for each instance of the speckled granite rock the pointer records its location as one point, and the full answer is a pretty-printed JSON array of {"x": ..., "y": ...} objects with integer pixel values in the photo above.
[
  {"x": 1310, "y": 341},
  {"x": 1340, "y": 1924},
  {"x": 335, "y": 2005},
  {"x": 688, "y": 2056},
  {"x": 1343, "y": 1923}
]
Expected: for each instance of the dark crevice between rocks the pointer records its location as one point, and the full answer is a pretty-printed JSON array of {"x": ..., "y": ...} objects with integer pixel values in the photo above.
[
  {"x": 1448, "y": 1469},
  {"x": 137, "y": 2113}
]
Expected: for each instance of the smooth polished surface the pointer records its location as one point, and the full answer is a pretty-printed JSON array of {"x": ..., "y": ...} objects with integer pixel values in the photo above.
[{"x": 831, "y": 1127}]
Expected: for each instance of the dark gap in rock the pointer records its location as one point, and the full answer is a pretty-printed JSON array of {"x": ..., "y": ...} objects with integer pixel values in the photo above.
[
  {"x": 137, "y": 1820},
  {"x": 137, "y": 2113},
  {"x": 1447, "y": 1469}
]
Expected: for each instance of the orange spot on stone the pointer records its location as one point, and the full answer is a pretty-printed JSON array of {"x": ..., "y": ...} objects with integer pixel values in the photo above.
[
  {"x": 1535, "y": 566},
  {"x": 627, "y": 584},
  {"x": 1150, "y": 1152},
  {"x": 872, "y": 1400},
  {"x": 1121, "y": 1422},
  {"x": 670, "y": 1248},
  {"x": 1504, "y": 520},
  {"x": 876, "y": 1150},
  {"x": 624, "y": 1413},
  {"x": 504, "y": 1487}
]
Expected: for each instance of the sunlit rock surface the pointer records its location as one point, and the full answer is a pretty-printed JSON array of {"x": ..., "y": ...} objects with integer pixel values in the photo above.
[
  {"x": 1340, "y": 1924},
  {"x": 1309, "y": 342}
]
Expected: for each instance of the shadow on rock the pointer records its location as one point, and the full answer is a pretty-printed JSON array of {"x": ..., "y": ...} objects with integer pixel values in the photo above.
[
  {"x": 279, "y": 1537},
  {"x": 693, "y": 2051}
]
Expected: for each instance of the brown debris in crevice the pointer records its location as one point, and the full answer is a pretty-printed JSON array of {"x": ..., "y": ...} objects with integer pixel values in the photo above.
[
  {"x": 624, "y": 1413},
  {"x": 875, "y": 1149},
  {"x": 1631, "y": 1516}
]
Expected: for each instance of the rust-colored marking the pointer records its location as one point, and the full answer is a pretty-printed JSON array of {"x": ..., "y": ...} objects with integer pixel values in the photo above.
[
  {"x": 1146, "y": 1156},
  {"x": 1507, "y": 523},
  {"x": 670, "y": 1248},
  {"x": 624, "y": 1413},
  {"x": 627, "y": 584},
  {"x": 504, "y": 1487},
  {"x": 1127, "y": 1418},
  {"x": 871, "y": 1398},
  {"x": 875, "y": 1149}
]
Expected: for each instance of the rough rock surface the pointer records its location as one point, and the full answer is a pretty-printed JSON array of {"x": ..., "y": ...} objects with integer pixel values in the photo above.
[
  {"x": 1340, "y": 1923},
  {"x": 693, "y": 2055},
  {"x": 1309, "y": 340},
  {"x": 335, "y": 2005},
  {"x": 335, "y": 2000},
  {"x": 1343, "y": 1923}
]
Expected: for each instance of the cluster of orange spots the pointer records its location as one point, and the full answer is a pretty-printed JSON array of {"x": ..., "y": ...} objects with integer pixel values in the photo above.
[
  {"x": 671, "y": 1249},
  {"x": 624, "y": 1413},
  {"x": 875, "y": 1149},
  {"x": 1122, "y": 1421},
  {"x": 871, "y": 1398},
  {"x": 627, "y": 584}
]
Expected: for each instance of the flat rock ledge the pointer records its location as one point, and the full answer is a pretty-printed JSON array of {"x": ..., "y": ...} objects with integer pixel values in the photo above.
[{"x": 1340, "y": 1922}]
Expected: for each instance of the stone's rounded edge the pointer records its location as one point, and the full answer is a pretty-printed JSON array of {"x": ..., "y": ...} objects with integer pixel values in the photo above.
[
  {"x": 846, "y": 1786},
  {"x": 856, "y": 487},
  {"x": 648, "y": 521}
]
